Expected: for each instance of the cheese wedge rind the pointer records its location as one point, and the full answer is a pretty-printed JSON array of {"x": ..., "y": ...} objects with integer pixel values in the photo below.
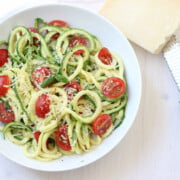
[{"x": 148, "y": 23}]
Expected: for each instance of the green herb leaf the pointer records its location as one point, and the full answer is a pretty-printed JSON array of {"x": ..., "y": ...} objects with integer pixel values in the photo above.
[
  {"x": 3, "y": 43},
  {"x": 6, "y": 103},
  {"x": 38, "y": 22},
  {"x": 53, "y": 79},
  {"x": 48, "y": 81},
  {"x": 61, "y": 78}
]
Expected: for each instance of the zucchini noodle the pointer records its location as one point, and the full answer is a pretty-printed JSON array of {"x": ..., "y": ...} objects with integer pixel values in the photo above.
[{"x": 49, "y": 50}]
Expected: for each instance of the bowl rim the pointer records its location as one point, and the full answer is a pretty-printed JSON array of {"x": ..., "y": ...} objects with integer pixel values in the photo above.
[{"x": 30, "y": 6}]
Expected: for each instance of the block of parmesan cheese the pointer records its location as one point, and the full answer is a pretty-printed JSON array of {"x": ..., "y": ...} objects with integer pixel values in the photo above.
[{"x": 148, "y": 23}]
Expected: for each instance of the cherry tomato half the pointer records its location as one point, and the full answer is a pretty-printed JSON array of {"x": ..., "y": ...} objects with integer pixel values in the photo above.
[
  {"x": 39, "y": 75},
  {"x": 101, "y": 124},
  {"x": 113, "y": 87},
  {"x": 71, "y": 88},
  {"x": 59, "y": 23},
  {"x": 36, "y": 42},
  {"x": 32, "y": 29},
  {"x": 3, "y": 56},
  {"x": 62, "y": 139},
  {"x": 6, "y": 113},
  {"x": 42, "y": 106},
  {"x": 56, "y": 35},
  {"x": 105, "y": 56},
  {"x": 36, "y": 135},
  {"x": 75, "y": 41},
  {"x": 4, "y": 84}
]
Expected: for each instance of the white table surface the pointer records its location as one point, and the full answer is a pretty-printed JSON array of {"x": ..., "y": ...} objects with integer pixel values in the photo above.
[{"x": 150, "y": 150}]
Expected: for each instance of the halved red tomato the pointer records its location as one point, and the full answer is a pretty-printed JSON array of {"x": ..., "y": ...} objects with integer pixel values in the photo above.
[
  {"x": 6, "y": 113},
  {"x": 71, "y": 88},
  {"x": 36, "y": 42},
  {"x": 56, "y": 35},
  {"x": 62, "y": 139},
  {"x": 36, "y": 135},
  {"x": 105, "y": 56},
  {"x": 4, "y": 84},
  {"x": 32, "y": 29},
  {"x": 42, "y": 106},
  {"x": 75, "y": 41},
  {"x": 59, "y": 23},
  {"x": 39, "y": 75},
  {"x": 101, "y": 124},
  {"x": 3, "y": 56},
  {"x": 113, "y": 87}
]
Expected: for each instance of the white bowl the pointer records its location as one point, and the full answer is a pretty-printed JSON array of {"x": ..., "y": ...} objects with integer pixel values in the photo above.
[{"x": 110, "y": 37}]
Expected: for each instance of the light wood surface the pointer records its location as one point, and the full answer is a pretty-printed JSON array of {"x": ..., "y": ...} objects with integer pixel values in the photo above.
[{"x": 150, "y": 150}]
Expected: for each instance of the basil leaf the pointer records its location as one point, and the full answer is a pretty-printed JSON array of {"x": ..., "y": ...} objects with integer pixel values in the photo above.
[
  {"x": 61, "y": 78},
  {"x": 38, "y": 22},
  {"x": 48, "y": 81},
  {"x": 53, "y": 79}
]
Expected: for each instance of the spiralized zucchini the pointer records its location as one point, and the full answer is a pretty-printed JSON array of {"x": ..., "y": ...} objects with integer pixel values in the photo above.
[{"x": 50, "y": 48}]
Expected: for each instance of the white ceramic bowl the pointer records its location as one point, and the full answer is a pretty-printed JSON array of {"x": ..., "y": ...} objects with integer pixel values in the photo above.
[{"x": 110, "y": 37}]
